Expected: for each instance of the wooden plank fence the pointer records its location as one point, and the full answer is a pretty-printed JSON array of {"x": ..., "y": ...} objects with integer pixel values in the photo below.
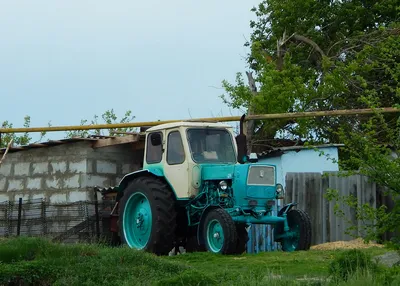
[{"x": 309, "y": 189}]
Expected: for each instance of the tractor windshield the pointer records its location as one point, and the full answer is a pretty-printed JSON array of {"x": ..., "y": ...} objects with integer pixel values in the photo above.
[{"x": 209, "y": 145}]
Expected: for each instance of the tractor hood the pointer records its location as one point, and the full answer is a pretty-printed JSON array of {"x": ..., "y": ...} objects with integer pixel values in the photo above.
[
  {"x": 217, "y": 172},
  {"x": 250, "y": 182}
]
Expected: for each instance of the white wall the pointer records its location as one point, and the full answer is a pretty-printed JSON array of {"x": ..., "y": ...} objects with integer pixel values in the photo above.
[{"x": 305, "y": 160}]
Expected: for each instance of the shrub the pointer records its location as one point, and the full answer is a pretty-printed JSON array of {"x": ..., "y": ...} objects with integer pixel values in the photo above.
[{"x": 350, "y": 262}]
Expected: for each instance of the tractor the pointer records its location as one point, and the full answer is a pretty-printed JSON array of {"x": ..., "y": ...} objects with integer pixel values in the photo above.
[{"x": 199, "y": 189}]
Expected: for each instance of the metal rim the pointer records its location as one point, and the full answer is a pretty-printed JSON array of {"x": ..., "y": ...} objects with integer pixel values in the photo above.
[
  {"x": 137, "y": 221},
  {"x": 291, "y": 242},
  {"x": 215, "y": 236}
]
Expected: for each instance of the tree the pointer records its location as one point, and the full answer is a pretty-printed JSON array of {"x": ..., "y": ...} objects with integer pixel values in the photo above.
[
  {"x": 17, "y": 139},
  {"x": 318, "y": 55},
  {"x": 108, "y": 117}
]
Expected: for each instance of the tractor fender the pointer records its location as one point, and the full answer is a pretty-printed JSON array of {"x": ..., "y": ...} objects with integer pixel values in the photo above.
[
  {"x": 200, "y": 225},
  {"x": 286, "y": 208},
  {"x": 145, "y": 172}
]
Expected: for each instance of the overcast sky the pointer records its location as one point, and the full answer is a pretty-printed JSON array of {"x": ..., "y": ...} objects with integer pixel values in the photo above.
[{"x": 63, "y": 61}]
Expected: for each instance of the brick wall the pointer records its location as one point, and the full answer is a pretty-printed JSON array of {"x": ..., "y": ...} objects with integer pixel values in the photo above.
[{"x": 64, "y": 173}]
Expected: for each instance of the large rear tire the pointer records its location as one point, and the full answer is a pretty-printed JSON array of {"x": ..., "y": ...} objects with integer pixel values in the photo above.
[
  {"x": 219, "y": 231},
  {"x": 148, "y": 216}
]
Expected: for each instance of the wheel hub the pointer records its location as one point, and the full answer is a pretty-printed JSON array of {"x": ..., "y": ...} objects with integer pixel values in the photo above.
[
  {"x": 142, "y": 223},
  {"x": 215, "y": 236},
  {"x": 137, "y": 221}
]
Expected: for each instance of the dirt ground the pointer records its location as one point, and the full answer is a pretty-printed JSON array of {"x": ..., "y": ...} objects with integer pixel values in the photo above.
[{"x": 352, "y": 244}]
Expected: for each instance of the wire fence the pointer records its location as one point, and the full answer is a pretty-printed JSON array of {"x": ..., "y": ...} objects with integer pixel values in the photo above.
[{"x": 83, "y": 221}]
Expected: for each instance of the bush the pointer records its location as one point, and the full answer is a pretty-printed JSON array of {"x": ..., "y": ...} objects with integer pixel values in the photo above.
[{"x": 351, "y": 262}]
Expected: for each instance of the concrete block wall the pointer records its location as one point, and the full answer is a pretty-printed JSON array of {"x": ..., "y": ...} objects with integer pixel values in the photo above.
[{"x": 64, "y": 173}]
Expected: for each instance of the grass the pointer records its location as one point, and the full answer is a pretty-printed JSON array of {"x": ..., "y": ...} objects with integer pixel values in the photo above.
[{"x": 39, "y": 262}]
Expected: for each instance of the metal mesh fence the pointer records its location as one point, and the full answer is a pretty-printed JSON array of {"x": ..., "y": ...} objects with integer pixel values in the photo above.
[{"x": 82, "y": 221}]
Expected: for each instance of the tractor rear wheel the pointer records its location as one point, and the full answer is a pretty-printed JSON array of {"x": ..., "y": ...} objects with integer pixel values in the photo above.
[
  {"x": 148, "y": 216},
  {"x": 299, "y": 230},
  {"x": 219, "y": 232}
]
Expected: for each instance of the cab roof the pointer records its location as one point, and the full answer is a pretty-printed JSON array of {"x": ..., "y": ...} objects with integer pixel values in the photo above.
[{"x": 187, "y": 124}]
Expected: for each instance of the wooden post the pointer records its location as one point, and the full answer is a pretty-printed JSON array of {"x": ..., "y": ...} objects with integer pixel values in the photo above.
[
  {"x": 43, "y": 215},
  {"x": 96, "y": 210},
  {"x": 19, "y": 216}
]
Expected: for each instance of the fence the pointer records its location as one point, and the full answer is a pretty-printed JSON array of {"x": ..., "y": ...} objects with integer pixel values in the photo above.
[
  {"x": 308, "y": 190},
  {"x": 69, "y": 222}
]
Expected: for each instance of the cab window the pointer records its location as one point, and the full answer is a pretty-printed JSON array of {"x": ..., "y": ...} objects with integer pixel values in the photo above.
[
  {"x": 175, "y": 151},
  {"x": 154, "y": 148}
]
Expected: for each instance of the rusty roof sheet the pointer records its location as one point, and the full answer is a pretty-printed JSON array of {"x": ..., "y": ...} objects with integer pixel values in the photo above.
[
  {"x": 91, "y": 138},
  {"x": 47, "y": 144}
]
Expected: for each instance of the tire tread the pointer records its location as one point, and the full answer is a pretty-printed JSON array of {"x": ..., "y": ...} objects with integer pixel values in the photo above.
[
  {"x": 230, "y": 243},
  {"x": 164, "y": 219}
]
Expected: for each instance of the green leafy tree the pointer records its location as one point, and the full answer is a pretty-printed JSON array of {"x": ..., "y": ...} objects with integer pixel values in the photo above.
[
  {"x": 318, "y": 55},
  {"x": 18, "y": 139},
  {"x": 108, "y": 117}
]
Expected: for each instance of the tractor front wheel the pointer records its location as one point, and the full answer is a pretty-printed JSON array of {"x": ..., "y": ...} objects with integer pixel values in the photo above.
[
  {"x": 219, "y": 232},
  {"x": 147, "y": 216},
  {"x": 299, "y": 235}
]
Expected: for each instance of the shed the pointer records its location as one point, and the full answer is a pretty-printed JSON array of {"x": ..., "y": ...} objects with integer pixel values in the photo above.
[
  {"x": 302, "y": 159},
  {"x": 68, "y": 170}
]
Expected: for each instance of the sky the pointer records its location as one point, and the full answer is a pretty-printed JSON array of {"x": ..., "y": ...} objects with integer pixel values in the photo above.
[{"x": 63, "y": 61}]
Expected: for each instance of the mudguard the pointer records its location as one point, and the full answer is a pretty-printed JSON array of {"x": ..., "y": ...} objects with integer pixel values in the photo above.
[
  {"x": 145, "y": 172},
  {"x": 286, "y": 208}
]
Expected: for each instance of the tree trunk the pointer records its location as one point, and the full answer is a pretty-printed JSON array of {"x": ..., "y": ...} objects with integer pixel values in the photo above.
[{"x": 249, "y": 129}]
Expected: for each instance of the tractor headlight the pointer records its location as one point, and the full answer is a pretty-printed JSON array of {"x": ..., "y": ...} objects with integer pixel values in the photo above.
[
  {"x": 223, "y": 185},
  {"x": 279, "y": 191}
]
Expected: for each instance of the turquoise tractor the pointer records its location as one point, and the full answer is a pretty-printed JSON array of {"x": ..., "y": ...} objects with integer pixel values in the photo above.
[{"x": 200, "y": 190}]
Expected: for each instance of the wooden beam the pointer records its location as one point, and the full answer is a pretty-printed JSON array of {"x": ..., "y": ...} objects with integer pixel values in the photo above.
[
  {"x": 116, "y": 141},
  {"x": 38, "y": 145}
]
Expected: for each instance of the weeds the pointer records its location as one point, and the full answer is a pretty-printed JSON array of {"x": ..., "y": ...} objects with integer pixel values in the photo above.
[{"x": 32, "y": 261}]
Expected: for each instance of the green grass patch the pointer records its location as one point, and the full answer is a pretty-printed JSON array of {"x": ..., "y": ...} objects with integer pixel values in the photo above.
[
  {"x": 33, "y": 261},
  {"x": 39, "y": 261}
]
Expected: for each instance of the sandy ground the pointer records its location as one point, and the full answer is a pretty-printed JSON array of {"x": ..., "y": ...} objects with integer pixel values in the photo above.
[{"x": 356, "y": 243}]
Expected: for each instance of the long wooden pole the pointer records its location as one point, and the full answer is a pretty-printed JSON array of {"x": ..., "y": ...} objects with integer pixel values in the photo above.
[{"x": 293, "y": 115}]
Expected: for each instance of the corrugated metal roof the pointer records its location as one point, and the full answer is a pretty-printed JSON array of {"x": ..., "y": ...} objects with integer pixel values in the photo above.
[
  {"x": 91, "y": 138},
  {"x": 47, "y": 144},
  {"x": 278, "y": 151}
]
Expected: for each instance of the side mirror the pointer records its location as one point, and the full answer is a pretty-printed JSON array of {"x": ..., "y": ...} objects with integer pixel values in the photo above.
[
  {"x": 253, "y": 158},
  {"x": 155, "y": 139}
]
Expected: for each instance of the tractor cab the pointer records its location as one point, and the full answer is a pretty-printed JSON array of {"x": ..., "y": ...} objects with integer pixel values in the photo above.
[{"x": 179, "y": 150}]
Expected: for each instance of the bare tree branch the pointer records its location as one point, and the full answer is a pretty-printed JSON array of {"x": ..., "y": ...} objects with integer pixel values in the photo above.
[
  {"x": 310, "y": 42},
  {"x": 281, "y": 43},
  {"x": 250, "y": 124},
  {"x": 5, "y": 153}
]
